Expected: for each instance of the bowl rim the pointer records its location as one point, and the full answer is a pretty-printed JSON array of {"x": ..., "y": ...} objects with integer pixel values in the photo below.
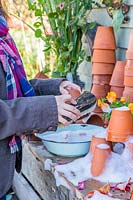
[{"x": 61, "y": 129}]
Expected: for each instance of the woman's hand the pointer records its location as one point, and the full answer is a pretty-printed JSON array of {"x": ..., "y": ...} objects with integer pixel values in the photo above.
[
  {"x": 66, "y": 86},
  {"x": 66, "y": 110}
]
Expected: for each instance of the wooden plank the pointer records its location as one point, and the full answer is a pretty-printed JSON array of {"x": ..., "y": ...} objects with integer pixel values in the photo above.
[
  {"x": 22, "y": 188},
  {"x": 43, "y": 181}
]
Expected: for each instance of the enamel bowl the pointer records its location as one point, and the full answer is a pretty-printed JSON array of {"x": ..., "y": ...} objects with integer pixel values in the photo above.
[{"x": 70, "y": 141}]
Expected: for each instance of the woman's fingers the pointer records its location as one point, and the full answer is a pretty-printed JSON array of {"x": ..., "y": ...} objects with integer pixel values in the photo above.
[{"x": 65, "y": 109}]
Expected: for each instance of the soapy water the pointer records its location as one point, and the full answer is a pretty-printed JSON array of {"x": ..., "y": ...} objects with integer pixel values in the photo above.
[{"x": 74, "y": 136}]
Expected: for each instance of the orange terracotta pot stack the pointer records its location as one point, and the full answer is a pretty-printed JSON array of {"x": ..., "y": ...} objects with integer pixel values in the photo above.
[
  {"x": 103, "y": 62},
  {"x": 117, "y": 79},
  {"x": 128, "y": 77}
]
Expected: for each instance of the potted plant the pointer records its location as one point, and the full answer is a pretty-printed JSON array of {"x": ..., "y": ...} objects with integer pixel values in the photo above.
[{"x": 67, "y": 22}]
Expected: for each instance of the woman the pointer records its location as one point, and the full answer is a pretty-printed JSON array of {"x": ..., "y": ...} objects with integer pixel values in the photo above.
[{"x": 23, "y": 107}]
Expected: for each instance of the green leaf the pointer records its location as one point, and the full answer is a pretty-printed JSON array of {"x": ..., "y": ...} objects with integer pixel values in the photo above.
[
  {"x": 38, "y": 33},
  {"x": 38, "y": 12},
  {"x": 53, "y": 15},
  {"x": 37, "y": 24},
  {"x": 117, "y": 19}
]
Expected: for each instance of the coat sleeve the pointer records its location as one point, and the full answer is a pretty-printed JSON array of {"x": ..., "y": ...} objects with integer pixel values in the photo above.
[
  {"x": 27, "y": 114},
  {"x": 46, "y": 86}
]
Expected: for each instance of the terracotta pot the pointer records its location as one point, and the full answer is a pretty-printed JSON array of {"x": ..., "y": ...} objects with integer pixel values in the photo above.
[
  {"x": 104, "y": 56},
  {"x": 100, "y": 158},
  {"x": 129, "y": 55},
  {"x": 95, "y": 141},
  {"x": 105, "y": 38},
  {"x": 128, "y": 95},
  {"x": 100, "y": 90},
  {"x": 128, "y": 90},
  {"x": 74, "y": 93},
  {"x": 120, "y": 125},
  {"x": 101, "y": 79},
  {"x": 96, "y": 119},
  {"x": 117, "y": 90},
  {"x": 117, "y": 78},
  {"x": 102, "y": 68},
  {"x": 128, "y": 81}
]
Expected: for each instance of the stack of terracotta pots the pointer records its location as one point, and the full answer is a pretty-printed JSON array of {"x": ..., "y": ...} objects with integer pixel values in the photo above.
[
  {"x": 117, "y": 79},
  {"x": 103, "y": 62},
  {"x": 128, "y": 78}
]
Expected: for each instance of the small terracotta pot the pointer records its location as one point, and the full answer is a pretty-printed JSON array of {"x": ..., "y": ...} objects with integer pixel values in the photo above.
[
  {"x": 74, "y": 93},
  {"x": 117, "y": 90},
  {"x": 117, "y": 78},
  {"x": 102, "y": 68},
  {"x": 100, "y": 90},
  {"x": 95, "y": 141},
  {"x": 128, "y": 81},
  {"x": 120, "y": 125},
  {"x": 100, "y": 158},
  {"x": 96, "y": 119},
  {"x": 104, "y": 56},
  {"x": 105, "y": 38},
  {"x": 101, "y": 79}
]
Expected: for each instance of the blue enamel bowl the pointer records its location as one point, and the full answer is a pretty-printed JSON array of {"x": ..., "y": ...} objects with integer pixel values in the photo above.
[{"x": 69, "y": 148}]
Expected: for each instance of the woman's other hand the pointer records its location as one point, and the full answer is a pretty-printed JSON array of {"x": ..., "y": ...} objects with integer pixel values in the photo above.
[
  {"x": 66, "y": 108},
  {"x": 67, "y": 86}
]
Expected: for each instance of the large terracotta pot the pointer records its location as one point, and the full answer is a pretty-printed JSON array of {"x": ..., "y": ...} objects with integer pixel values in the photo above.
[
  {"x": 117, "y": 90},
  {"x": 104, "y": 56},
  {"x": 105, "y": 38},
  {"x": 120, "y": 125},
  {"x": 100, "y": 158},
  {"x": 101, "y": 79},
  {"x": 117, "y": 78},
  {"x": 102, "y": 68}
]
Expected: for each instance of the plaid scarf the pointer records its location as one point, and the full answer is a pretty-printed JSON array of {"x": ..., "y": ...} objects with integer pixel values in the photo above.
[{"x": 17, "y": 84}]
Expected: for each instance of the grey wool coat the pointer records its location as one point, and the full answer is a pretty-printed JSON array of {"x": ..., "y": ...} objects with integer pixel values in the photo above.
[{"x": 24, "y": 115}]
